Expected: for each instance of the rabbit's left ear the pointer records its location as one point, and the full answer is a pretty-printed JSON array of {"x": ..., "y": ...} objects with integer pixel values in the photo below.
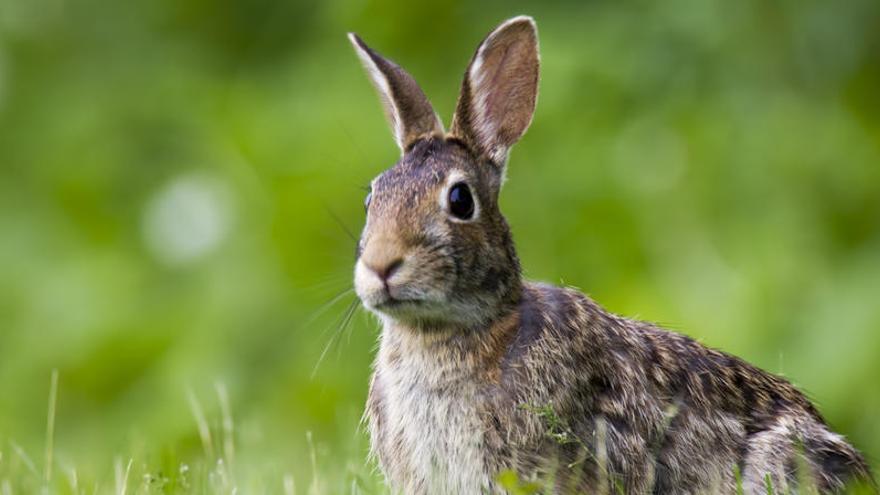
[
  {"x": 499, "y": 91},
  {"x": 408, "y": 110}
]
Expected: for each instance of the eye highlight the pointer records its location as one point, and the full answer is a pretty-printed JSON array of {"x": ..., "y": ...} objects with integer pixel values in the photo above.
[{"x": 460, "y": 201}]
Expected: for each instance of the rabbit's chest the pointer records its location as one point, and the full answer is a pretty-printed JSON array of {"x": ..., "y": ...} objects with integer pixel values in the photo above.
[{"x": 437, "y": 432}]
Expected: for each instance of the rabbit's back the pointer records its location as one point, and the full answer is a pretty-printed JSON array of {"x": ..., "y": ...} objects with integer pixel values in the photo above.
[{"x": 656, "y": 411}]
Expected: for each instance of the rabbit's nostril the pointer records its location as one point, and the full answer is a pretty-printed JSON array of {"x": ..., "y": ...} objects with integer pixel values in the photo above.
[{"x": 388, "y": 270}]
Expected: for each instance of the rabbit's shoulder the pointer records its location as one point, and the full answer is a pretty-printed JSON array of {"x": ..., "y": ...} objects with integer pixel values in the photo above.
[{"x": 560, "y": 329}]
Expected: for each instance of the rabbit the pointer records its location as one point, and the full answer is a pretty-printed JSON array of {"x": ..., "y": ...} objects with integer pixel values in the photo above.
[{"x": 480, "y": 372}]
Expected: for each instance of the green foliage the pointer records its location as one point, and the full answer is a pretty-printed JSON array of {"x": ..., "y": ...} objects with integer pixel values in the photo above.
[
  {"x": 556, "y": 428},
  {"x": 768, "y": 483},
  {"x": 170, "y": 171},
  {"x": 511, "y": 482}
]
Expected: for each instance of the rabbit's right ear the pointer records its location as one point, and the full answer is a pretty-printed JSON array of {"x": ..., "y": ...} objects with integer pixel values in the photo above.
[
  {"x": 499, "y": 91},
  {"x": 408, "y": 110}
]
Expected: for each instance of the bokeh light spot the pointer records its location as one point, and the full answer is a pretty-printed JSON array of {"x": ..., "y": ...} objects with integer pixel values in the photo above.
[{"x": 187, "y": 219}]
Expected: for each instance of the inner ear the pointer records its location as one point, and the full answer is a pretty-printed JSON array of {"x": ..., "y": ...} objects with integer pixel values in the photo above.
[
  {"x": 408, "y": 110},
  {"x": 499, "y": 91}
]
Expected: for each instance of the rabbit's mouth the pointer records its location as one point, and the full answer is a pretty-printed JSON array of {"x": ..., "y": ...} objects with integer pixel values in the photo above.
[
  {"x": 418, "y": 311},
  {"x": 407, "y": 309},
  {"x": 391, "y": 303}
]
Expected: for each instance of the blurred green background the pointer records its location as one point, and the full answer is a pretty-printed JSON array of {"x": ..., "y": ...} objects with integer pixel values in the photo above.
[{"x": 172, "y": 173}]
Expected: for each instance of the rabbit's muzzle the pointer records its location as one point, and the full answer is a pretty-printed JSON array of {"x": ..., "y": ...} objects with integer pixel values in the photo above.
[
  {"x": 395, "y": 280},
  {"x": 378, "y": 273}
]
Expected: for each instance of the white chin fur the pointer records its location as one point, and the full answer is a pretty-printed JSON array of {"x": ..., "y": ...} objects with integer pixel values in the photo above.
[{"x": 368, "y": 286}]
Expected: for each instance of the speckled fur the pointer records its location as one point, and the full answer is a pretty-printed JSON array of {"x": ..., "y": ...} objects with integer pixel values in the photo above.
[{"x": 465, "y": 365}]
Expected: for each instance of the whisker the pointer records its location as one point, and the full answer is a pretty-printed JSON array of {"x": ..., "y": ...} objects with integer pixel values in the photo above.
[
  {"x": 324, "y": 307},
  {"x": 347, "y": 331},
  {"x": 351, "y": 139},
  {"x": 326, "y": 282},
  {"x": 346, "y": 322},
  {"x": 341, "y": 224},
  {"x": 346, "y": 319}
]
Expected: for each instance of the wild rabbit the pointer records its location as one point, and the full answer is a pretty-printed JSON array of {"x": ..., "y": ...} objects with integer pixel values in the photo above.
[{"x": 480, "y": 372}]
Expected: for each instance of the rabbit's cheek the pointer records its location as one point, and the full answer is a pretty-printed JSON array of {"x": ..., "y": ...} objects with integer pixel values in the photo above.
[{"x": 414, "y": 283}]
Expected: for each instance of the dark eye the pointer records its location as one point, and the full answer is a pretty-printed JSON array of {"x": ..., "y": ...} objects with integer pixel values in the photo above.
[
  {"x": 461, "y": 203},
  {"x": 367, "y": 200}
]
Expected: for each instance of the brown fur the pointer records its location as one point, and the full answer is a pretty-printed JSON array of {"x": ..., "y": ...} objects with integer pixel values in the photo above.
[{"x": 479, "y": 372}]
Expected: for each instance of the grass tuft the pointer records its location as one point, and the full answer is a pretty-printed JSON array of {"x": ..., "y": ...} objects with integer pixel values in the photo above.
[{"x": 218, "y": 468}]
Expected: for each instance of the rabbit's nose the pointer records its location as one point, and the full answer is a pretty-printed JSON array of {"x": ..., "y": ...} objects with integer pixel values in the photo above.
[
  {"x": 386, "y": 269},
  {"x": 384, "y": 256}
]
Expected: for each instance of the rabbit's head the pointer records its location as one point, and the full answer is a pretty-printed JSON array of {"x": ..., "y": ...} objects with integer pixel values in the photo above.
[{"x": 435, "y": 251}]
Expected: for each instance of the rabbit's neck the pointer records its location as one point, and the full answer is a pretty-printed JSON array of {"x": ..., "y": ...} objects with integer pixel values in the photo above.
[
  {"x": 429, "y": 394},
  {"x": 439, "y": 357}
]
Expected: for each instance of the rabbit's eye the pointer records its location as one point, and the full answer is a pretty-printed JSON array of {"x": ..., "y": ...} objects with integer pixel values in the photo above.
[
  {"x": 461, "y": 203},
  {"x": 367, "y": 200}
]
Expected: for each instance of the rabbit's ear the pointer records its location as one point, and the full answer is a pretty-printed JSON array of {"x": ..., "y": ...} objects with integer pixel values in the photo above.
[
  {"x": 408, "y": 110},
  {"x": 499, "y": 91}
]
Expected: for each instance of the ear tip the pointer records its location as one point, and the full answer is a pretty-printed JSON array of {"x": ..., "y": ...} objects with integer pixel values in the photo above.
[
  {"x": 355, "y": 39},
  {"x": 526, "y": 21},
  {"x": 522, "y": 18}
]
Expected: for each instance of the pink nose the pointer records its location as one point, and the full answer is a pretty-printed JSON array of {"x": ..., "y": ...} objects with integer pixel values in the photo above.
[{"x": 386, "y": 269}]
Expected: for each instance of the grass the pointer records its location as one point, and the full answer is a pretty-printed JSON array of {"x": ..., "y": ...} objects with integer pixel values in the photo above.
[{"x": 221, "y": 470}]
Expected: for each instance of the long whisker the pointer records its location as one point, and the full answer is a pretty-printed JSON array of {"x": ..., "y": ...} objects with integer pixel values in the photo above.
[
  {"x": 327, "y": 282},
  {"x": 329, "y": 304},
  {"x": 347, "y": 331},
  {"x": 341, "y": 224},
  {"x": 346, "y": 319}
]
